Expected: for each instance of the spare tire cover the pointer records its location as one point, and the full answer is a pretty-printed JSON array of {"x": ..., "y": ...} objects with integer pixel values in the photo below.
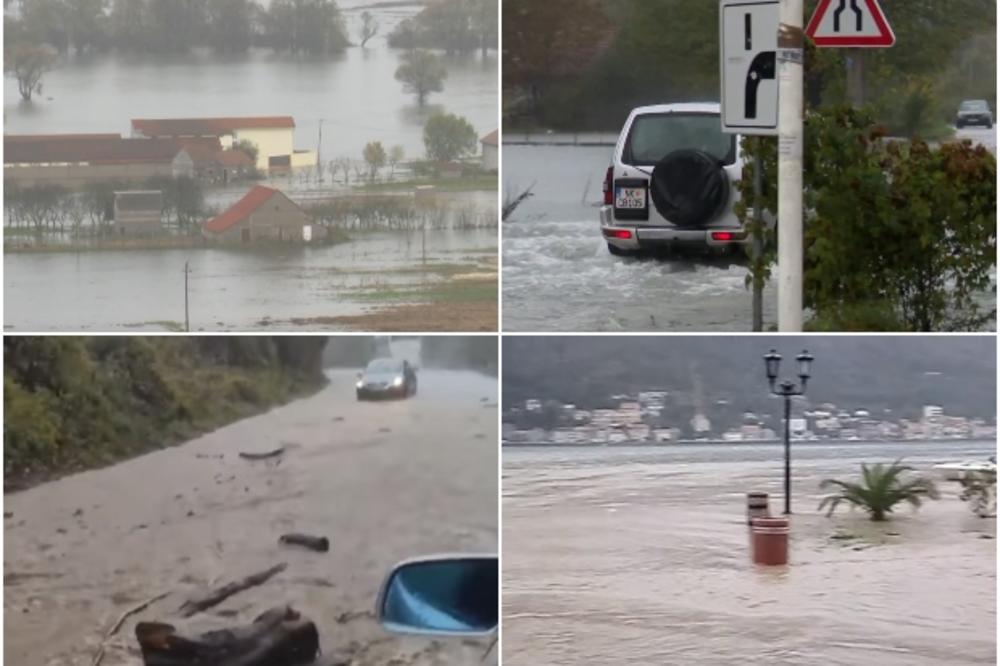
[{"x": 689, "y": 187}]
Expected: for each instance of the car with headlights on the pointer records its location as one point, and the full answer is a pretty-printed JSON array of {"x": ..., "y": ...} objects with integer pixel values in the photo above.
[
  {"x": 387, "y": 378},
  {"x": 974, "y": 112}
]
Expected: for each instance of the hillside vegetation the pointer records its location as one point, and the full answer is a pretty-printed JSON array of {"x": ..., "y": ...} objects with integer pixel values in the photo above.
[{"x": 74, "y": 403}]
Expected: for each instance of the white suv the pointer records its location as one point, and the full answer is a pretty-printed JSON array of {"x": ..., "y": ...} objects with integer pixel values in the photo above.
[{"x": 672, "y": 181}]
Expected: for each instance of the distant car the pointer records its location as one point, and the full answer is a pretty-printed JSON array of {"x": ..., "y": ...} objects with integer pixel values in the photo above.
[
  {"x": 974, "y": 112},
  {"x": 671, "y": 182},
  {"x": 387, "y": 378}
]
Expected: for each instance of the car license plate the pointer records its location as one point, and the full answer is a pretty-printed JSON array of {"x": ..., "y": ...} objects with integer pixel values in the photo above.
[{"x": 630, "y": 197}]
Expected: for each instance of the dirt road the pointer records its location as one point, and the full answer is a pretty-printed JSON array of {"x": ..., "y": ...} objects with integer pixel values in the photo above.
[{"x": 383, "y": 481}]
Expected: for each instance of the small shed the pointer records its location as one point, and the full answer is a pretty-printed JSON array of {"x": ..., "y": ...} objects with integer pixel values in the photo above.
[
  {"x": 263, "y": 213},
  {"x": 139, "y": 213},
  {"x": 491, "y": 150}
]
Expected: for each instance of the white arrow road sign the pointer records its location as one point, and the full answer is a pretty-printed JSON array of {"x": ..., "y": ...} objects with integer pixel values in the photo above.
[{"x": 749, "y": 43}]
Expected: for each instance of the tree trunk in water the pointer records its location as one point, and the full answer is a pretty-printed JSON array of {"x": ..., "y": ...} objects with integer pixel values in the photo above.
[{"x": 279, "y": 637}]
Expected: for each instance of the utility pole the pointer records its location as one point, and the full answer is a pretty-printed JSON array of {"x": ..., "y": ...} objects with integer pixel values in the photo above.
[
  {"x": 187, "y": 320},
  {"x": 319, "y": 143},
  {"x": 791, "y": 60}
]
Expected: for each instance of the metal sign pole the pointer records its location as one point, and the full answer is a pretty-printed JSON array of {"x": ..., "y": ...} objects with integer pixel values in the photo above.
[
  {"x": 758, "y": 240},
  {"x": 187, "y": 319},
  {"x": 791, "y": 38}
]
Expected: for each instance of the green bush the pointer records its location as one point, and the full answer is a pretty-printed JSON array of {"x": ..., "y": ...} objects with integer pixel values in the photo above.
[{"x": 898, "y": 235}]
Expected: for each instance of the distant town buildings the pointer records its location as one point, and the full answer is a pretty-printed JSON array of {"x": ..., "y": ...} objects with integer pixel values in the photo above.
[{"x": 639, "y": 419}]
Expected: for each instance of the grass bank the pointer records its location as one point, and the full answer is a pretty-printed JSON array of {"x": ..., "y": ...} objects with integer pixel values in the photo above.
[{"x": 77, "y": 403}]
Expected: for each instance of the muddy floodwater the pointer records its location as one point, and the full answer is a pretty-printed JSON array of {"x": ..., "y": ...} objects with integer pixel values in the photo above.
[
  {"x": 354, "y": 93},
  {"x": 383, "y": 481},
  {"x": 635, "y": 555},
  {"x": 235, "y": 289},
  {"x": 559, "y": 276}
]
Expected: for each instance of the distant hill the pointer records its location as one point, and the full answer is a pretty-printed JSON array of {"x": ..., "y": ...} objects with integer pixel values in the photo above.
[{"x": 899, "y": 373}]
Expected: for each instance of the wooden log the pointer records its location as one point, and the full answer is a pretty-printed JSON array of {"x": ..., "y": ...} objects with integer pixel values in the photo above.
[
  {"x": 319, "y": 544},
  {"x": 262, "y": 456},
  {"x": 278, "y": 637},
  {"x": 217, "y": 596}
]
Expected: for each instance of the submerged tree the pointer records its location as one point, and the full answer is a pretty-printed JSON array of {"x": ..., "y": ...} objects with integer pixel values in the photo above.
[
  {"x": 881, "y": 489},
  {"x": 27, "y": 63},
  {"x": 230, "y": 25},
  {"x": 448, "y": 137},
  {"x": 421, "y": 73},
  {"x": 979, "y": 489},
  {"x": 369, "y": 27},
  {"x": 375, "y": 158},
  {"x": 315, "y": 27}
]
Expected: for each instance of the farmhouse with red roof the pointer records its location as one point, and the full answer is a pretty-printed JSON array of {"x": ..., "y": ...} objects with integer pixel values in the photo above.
[
  {"x": 274, "y": 136},
  {"x": 491, "y": 147},
  {"x": 262, "y": 214}
]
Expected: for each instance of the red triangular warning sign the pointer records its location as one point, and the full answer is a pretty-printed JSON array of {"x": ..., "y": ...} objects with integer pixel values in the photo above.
[{"x": 850, "y": 23}]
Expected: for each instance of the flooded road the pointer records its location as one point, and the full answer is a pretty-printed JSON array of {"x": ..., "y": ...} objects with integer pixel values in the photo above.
[
  {"x": 640, "y": 555},
  {"x": 383, "y": 481},
  {"x": 231, "y": 289},
  {"x": 559, "y": 276},
  {"x": 102, "y": 93}
]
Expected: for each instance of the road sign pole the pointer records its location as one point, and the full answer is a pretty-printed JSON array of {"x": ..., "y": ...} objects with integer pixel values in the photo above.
[
  {"x": 791, "y": 37},
  {"x": 758, "y": 240}
]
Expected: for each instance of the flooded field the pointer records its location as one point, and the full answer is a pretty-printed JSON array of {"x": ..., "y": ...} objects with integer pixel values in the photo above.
[
  {"x": 102, "y": 93},
  {"x": 383, "y": 481},
  {"x": 640, "y": 555},
  {"x": 559, "y": 276},
  {"x": 244, "y": 290}
]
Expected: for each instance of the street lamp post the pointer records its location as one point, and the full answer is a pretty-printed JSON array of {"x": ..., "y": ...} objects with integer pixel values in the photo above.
[{"x": 787, "y": 389}]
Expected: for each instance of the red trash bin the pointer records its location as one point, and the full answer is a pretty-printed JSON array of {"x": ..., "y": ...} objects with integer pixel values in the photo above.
[{"x": 770, "y": 541}]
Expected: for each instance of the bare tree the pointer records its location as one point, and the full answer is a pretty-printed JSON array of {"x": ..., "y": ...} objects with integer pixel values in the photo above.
[
  {"x": 345, "y": 166},
  {"x": 369, "y": 27},
  {"x": 396, "y": 155}
]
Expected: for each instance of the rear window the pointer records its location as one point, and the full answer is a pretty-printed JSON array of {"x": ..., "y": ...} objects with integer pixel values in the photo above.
[
  {"x": 385, "y": 365},
  {"x": 975, "y": 105},
  {"x": 655, "y": 136}
]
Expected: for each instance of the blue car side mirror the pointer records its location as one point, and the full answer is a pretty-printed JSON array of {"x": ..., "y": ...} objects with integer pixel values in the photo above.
[{"x": 442, "y": 596}]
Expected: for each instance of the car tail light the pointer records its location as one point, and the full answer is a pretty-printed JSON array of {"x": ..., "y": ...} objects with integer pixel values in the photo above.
[
  {"x": 609, "y": 194},
  {"x": 723, "y": 236},
  {"x": 621, "y": 234}
]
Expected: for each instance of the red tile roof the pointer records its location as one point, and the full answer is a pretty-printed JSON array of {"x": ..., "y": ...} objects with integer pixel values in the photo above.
[
  {"x": 207, "y": 126},
  {"x": 242, "y": 209},
  {"x": 29, "y": 138},
  {"x": 491, "y": 139},
  {"x": 93, "y": 150}
]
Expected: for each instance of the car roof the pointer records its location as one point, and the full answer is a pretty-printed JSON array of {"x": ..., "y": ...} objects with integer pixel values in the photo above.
[{"x": 688, "y": 107}]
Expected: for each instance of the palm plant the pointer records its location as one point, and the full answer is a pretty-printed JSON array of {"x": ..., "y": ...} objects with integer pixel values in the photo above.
[{"x": 881, "y": 489}]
